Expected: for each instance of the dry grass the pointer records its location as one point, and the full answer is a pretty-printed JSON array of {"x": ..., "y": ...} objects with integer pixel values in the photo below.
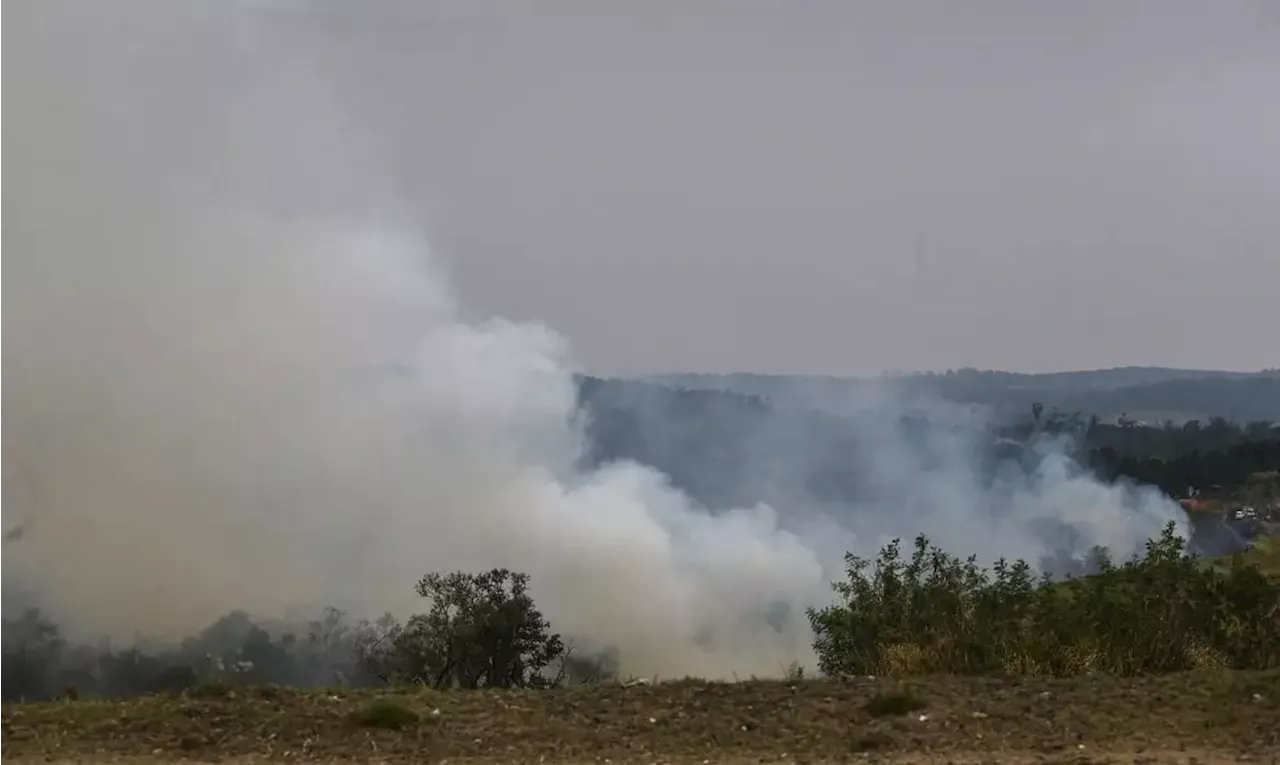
[{"x": 1092, "y": 718}]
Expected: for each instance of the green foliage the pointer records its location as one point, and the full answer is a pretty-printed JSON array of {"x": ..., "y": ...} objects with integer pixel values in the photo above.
[
  {"x": 481, "y": 630},
  {"x": 1219, "y": 453},
  {"x": 1161, "y": 612},
  {"x": 931, "y": 613}
]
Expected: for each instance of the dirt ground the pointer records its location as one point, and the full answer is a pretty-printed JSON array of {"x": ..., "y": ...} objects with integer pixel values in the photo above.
[
  {"x": 1196, "y": 717},
  {"x": 1189, "y": 757}
]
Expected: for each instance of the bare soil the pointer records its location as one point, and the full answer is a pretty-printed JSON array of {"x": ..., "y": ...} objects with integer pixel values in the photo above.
[{"x": 1200, "y": 717}]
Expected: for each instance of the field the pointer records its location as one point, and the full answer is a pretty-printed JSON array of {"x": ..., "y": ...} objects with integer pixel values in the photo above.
[
  {"x": 1206, "y": 717},
  {"x": 1265, "y": 554}
]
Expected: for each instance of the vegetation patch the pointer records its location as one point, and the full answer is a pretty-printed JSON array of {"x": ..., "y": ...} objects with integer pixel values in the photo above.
[
  {"x": 388, "y": 714},
  {"x": 873, "y": 741},
  {"x": 898, "y": 703},
  {"x": 934, "y": 613}
]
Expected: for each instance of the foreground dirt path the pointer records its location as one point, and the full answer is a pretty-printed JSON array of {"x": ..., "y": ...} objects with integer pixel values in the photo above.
[{"x": 1207, "y": 717}]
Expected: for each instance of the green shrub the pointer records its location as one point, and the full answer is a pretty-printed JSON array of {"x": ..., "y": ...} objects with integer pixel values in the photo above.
[
  {"x": 1159, "y": 612},
  {"x": 481, "y": 631}
]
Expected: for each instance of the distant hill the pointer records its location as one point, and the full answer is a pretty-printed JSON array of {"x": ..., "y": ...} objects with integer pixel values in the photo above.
[
  {"x": 727, "y": 448},
  {"x": 1142, "y": 393}
]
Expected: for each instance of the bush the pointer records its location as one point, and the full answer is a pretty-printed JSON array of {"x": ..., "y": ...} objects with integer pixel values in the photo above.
[
  {"x": 1160, "y": 612},
  {"x": 887, "y": 704},
  {"x": 481, "y": 631},
  {"x": 934, "y": 613},
  {"x": 385, "y": 713}
]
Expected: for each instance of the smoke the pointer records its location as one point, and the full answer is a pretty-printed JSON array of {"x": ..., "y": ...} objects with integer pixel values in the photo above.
[
  {"x": 226, "y": 388},
  {"x": 320, "y": 427}
]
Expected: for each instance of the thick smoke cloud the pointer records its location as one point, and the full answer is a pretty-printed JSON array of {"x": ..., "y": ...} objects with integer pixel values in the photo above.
[
  {"x": 321, "y": 428},
  {"x": 215, "y": 400}
]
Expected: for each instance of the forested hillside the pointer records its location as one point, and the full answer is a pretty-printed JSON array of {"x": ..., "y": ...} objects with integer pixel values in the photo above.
[
  {"x": 1146, "y": 393},
  {"x": 729, "y": 448}
]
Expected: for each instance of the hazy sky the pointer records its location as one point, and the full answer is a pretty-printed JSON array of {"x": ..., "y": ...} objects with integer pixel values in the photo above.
[{"x": 820, "y": 186}]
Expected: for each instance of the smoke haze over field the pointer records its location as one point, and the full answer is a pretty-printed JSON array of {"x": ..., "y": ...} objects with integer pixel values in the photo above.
[{"x": 218, "y": 396}]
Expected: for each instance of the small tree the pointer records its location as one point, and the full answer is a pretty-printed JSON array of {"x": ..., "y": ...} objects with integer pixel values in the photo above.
[{"x": 482, "y": 630}]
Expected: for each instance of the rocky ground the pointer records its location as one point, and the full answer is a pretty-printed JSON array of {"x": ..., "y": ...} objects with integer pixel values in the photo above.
[{"x": 1194, "y": 717}]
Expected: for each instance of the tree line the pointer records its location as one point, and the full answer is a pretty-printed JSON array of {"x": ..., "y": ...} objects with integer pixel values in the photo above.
[
  {"x": 715, "y": 445},
  {"x": 479, "y": 630},
  {"x": 1217, "y": 454},
  {"x": 1163, "y": 611},
  {"x": 931, "y": 613},
  {"x": 1159, "y": 612}
]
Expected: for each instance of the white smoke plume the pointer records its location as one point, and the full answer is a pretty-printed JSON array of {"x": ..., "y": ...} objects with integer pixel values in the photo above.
[
  {"x": 322, "y": 428},
  {"x": 214, "y": 400}
]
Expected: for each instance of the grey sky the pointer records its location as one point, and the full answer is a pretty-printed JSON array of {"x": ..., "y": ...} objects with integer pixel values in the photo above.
[{"x": 819, "y": 186}]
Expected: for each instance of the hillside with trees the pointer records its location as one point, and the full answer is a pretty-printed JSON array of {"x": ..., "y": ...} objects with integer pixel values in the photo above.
[
  {"x": 1152, "y": 394},
  {"x": 727, "y": 448}
]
